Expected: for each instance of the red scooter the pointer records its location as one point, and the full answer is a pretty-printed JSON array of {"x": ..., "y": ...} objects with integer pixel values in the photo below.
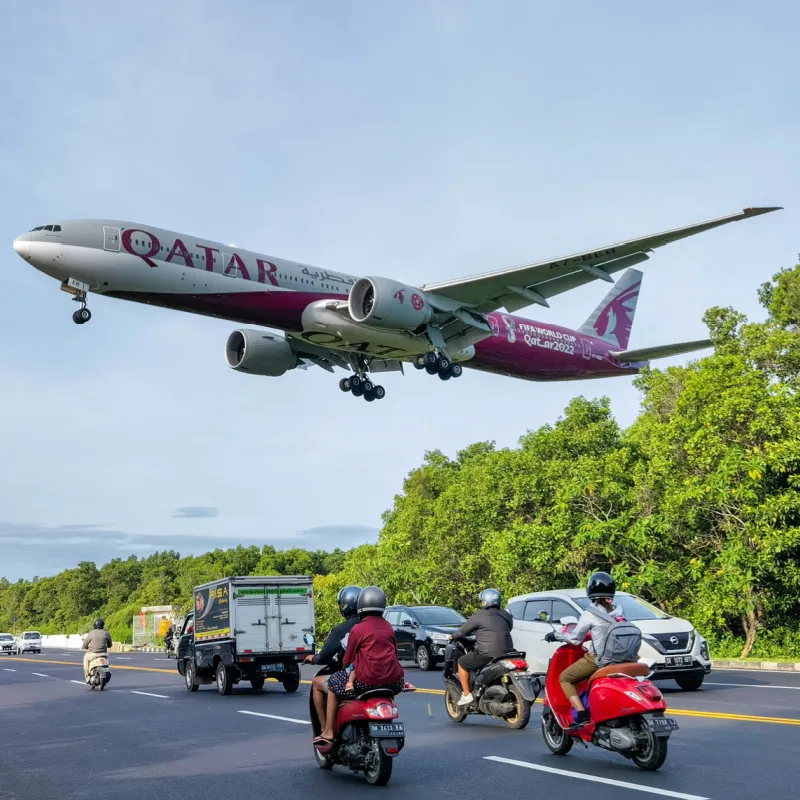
[{"x": 626, "y": 710}]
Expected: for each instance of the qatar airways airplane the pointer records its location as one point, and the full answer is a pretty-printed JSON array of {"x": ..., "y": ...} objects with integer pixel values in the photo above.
[{"x": 364, "y": 324}]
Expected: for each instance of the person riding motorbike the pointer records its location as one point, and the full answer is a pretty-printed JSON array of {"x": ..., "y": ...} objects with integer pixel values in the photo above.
[
  {"x": 347, "y": 600},
  {"x": 492, "y": 628},
  {"x": 372, "y": 654},
  {"x": 597, "y": 619},
  {"x": 96, "y": 643}
]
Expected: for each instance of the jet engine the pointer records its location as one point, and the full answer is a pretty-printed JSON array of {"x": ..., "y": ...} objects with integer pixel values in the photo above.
[
  {"x": 383, "y": 303},
  {"x": 259, "y": 353}
]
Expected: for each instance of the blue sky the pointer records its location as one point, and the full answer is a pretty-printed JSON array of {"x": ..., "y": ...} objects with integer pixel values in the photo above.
[{"x": 416, "y": 140}]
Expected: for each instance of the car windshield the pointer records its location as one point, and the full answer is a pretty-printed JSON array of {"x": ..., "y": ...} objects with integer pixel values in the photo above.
[
  {"x": 633, "y": 608},
  {"x": 31, "y": 636},
  {"x": 438, "y": 615},
  {"x": 6, "y": 637}
]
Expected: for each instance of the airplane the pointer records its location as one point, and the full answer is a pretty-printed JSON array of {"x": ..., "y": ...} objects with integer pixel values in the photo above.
[{"x": 365, "y": 325}]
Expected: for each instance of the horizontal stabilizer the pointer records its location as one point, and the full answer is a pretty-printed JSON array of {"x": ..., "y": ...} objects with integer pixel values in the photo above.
[{"x": 663, "y": 351}]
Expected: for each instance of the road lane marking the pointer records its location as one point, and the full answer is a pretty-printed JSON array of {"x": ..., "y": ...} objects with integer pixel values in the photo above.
[
  {"x": 673, "y": 711},
  {"x": 752, "y": 685},
  {"x": 122, "y": 658},
  {"x": 150, "y": 694},
  {"x": 595, "y": 779},
  {"x": 275, "y": 716},
  {"x": 8, "y": 670},
  {"x": 40, "y": 674},
  {"x": 80, "y": 683}
]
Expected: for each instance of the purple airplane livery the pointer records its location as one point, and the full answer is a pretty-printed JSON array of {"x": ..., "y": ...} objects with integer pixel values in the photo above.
[{"x": 365, "y": 325}]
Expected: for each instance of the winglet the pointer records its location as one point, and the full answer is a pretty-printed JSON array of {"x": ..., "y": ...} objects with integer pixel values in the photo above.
[{"x": 757, "y": 211}]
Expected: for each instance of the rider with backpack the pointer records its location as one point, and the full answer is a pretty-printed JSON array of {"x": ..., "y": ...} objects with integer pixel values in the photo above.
[{"x": 613, "y": 640}]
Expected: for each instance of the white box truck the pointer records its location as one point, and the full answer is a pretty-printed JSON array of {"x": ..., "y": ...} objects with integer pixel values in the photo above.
[{"x": 247, "y": 629}]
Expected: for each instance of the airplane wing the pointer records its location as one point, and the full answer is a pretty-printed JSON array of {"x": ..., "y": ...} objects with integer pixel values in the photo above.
[
  {"x": 517, "y": 287},
  {"x": 661, "y": 351},
  {"x": 316, "y": 355}
]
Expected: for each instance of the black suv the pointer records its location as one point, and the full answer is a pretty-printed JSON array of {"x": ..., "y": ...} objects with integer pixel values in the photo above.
[{"x": 422, "y": 632}]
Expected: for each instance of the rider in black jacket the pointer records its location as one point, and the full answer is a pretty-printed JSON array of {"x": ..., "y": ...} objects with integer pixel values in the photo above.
[
  {"x": 348, "y": 606},
  {"x": 492, "y": 628}
]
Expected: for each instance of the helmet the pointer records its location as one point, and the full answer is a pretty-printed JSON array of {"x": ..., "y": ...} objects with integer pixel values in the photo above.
[
  {"x": 347, "y": 600},
  {"x": 601, "y": 585},
  {"x": 491, "y": 598},
  {"x": 372, "y": 600},
  {"x": 99, "y": 623}
]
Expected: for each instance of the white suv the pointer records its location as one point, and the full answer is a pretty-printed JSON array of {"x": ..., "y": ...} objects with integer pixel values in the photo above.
[
  {"x": 7, "y": 644},
  {"x": 670, "y": 646},
  {"x": 29, "y": 642}
]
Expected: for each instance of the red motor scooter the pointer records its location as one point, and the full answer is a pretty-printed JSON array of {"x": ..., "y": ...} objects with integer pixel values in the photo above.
[{"x": 626, "y": 710}]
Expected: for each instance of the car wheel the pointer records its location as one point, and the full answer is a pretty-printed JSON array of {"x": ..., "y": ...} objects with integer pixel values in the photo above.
[
  {"x": 423, "y": 658},
  {"x": 690, "y": 684}
]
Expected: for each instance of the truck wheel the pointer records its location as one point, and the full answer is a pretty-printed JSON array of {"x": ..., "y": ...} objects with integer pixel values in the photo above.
[
  {"x": 224, "y": 682},
  {"x": 189, "y": 677},
  {"x": 291, "y": 678},
  {"x": 257, "y": 683}
]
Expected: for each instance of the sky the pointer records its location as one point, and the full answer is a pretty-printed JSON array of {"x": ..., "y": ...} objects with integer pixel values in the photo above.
[{"x": 420, "y": 141}]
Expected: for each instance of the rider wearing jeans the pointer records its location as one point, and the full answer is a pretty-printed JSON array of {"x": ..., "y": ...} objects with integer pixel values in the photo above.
[{"x": 492, "y": 628}]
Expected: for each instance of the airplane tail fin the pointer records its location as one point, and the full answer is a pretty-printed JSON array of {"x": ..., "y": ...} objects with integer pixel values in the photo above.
[{"x": 612, "y": 320}]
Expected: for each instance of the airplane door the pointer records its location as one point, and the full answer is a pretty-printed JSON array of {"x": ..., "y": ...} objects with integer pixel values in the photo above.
[
  {"x": 111, "y": 239},
  {"x": 587, "y": 348}
]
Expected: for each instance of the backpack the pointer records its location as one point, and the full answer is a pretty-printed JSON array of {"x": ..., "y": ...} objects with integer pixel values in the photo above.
[{"x": 623, "y": 640}]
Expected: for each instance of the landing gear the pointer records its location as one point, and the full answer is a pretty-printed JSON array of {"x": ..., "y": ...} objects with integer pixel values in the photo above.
[
  {"x": 438, "y": 364},
  {"x": 362, "y": 386},
  {"x": 83, "y": 314}
]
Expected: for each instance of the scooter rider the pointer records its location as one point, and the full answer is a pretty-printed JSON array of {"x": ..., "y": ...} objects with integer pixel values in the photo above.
[
  {"x": 597, "y": 619},
  {"x": 492, "y": 628},
  {"x": 347, "y": 600},
  {"x": 96, "y": 643}
]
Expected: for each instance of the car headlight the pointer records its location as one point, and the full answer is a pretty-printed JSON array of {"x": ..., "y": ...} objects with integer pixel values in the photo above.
[{"x": 704, "y": 652}]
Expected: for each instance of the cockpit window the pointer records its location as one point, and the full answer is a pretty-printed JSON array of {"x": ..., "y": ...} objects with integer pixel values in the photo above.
[
  {"x": 53, "y": 228},
  {"x": 41, "y": 227},
  {"x": 48, "y": 227},
  {"x": 56, "y": 228}
]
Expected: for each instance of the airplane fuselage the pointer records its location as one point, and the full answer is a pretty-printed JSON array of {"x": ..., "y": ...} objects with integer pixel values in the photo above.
[{"x": 155, "y": 266}]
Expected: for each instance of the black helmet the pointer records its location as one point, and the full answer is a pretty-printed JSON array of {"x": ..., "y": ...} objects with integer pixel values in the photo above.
[
  {"x": 99, "y": 623},
  {"x": 347, "y": 600},
  {"x": 601, "y": 585},
  {"x": 491, "y": 598},
  {"x": 372, "y": 600}
]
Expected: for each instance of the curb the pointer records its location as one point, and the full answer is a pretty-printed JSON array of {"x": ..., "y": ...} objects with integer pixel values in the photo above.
[{"x": 772, "y": 666}]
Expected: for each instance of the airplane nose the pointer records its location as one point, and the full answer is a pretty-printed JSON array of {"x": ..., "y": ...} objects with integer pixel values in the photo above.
[{"x": 22, "y": 244}]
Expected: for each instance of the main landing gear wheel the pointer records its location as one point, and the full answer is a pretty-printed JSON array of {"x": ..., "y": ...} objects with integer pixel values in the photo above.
[
  {"x": 360, "y": 386},
  {"x": 436, "y": 364}
]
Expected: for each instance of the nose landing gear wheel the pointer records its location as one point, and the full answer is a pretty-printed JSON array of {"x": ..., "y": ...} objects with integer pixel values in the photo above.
[{"x": 81, "y": 315}]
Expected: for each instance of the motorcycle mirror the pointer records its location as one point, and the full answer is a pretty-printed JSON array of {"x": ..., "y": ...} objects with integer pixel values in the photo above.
[{"x": 308, "y": 639}]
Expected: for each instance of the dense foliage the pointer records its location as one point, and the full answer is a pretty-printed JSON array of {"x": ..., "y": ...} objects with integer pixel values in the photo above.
[{"x": 696, "y": 507}]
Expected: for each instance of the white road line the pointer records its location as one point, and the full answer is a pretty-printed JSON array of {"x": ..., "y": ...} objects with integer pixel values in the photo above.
[
  {"x": 752, "y": 685},
  {"x": 40, "y": 674},
  {"x": 275, "y": 716},
  {"x": 624, "y": 784},
  {"x": 8, "y": 670},
  {"x": 160, "y": 659},
  {"x": 80, "y": 683},
  {"x": 150, "y": 694},
  {"x": 123, "y": 658}
]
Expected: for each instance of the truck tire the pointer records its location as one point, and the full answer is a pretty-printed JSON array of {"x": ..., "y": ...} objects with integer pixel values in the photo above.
[
  {"x": 224, "y": 681},
  {"x": 291, "y": 678},
  {"x": 257, "y": 683},
  {"x": 189, "y": 677}
]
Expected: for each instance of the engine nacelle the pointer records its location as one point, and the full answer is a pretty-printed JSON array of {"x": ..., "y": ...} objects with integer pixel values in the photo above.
[
  {"x": 384, "y": 303},
  {"x": 259, "y": 353}
]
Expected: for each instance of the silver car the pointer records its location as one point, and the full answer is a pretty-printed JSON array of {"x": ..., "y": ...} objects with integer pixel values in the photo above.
[{"x": 7, "y": 644}]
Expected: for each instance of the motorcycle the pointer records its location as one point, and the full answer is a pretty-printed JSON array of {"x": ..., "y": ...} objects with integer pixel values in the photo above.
[
  {"x": 368, "y": 734},
  {"x": 503, "y": 689},
  {"x": 99, "y": 673},
  {"x": 626, "y": 709}
]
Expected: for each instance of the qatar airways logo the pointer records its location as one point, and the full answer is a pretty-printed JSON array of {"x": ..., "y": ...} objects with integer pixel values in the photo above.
[
  {"x": 147, "y": 246},
  {"x": 416, "y": 300},
  {"x": 616, "y": 319}
]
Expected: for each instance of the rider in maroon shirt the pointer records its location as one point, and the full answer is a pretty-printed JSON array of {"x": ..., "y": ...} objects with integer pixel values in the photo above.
[{"x": 372, "y": 650}]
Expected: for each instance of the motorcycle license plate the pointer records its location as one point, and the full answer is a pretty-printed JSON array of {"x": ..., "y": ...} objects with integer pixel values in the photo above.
[
  {"x": 661, "y": 725},
  {"x": 383, "y": 730},
  {"x": 272, "y": 667},
  {"x": 678, "y": 661}
]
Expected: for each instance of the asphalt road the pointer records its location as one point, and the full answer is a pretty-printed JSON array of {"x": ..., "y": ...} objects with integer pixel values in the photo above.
[{"x": 146, "y": 736}]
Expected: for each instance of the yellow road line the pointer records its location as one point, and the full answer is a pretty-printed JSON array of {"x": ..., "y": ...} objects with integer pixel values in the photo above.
[{"x": 678, "y": 712}]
